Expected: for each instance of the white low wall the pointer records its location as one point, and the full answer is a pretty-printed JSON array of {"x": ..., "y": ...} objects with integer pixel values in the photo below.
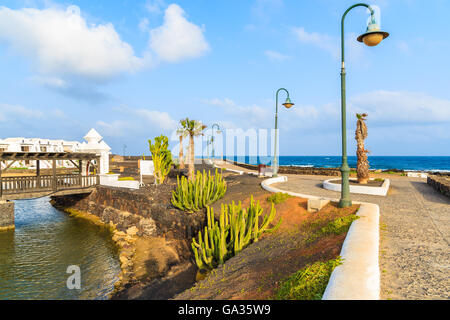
[
  {"x": 417, "y": 175},
  {"x": 112, "y": 180},
  {"x": 358, "y": 278},
  {"x": 375, "y": 191}
]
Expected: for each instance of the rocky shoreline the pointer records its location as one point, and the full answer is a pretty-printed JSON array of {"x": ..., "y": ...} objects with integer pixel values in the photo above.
[
  {"x": 152, "y": 237},
  {"x": 329, "y": 171}
]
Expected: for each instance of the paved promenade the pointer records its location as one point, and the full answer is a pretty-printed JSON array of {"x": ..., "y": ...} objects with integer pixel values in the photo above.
[{"x": 415, "y": 234}]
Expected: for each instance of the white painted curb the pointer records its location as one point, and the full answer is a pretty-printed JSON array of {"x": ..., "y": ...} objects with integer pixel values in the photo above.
[
  {"x": 358, "y": 278},
  {"x": 375, "y": 191}
]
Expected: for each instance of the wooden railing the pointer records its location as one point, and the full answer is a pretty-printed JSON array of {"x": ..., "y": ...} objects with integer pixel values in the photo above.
[{"x": 18, "y": 185}]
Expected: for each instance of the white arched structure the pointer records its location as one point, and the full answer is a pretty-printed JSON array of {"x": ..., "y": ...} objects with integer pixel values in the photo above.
[{"x": 95, "y": 144}]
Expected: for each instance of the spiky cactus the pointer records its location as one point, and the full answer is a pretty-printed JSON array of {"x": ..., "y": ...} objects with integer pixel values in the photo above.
[
  {"x": 235, "y": 229},
  {"x": 162, "y": 158},
  {"x": 194, "y": 195}
]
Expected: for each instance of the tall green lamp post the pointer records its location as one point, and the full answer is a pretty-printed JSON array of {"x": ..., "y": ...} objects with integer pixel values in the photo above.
[
  {"x": 212, "y": 137},
  {"x": 287, "y": 104},
  {"x": 372, "y": 37}
]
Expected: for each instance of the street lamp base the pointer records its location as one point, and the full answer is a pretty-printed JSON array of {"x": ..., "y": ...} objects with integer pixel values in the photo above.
[{"x": 344, "y": 203}]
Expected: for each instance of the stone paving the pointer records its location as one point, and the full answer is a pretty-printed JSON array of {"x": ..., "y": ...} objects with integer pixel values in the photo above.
[{"x": 415, "y": 233}]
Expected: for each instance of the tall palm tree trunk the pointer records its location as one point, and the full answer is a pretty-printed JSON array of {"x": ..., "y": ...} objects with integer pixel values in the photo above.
[
  {"x": 180, "y": 155},
  {"x": 191, "y": 158},
  {"x": 362, "y": 165}
]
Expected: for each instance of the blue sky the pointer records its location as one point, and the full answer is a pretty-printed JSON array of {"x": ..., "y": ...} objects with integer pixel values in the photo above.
[{"x": 132, "y": 69}]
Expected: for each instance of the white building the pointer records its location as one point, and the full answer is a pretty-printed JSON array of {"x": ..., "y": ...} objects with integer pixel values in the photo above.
[{"x": 95, "y": 144}]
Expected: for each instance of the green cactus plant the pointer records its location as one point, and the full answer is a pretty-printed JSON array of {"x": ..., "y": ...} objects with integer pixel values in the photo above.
[
  {"x": 194, "y": 195},
  {"x": 235, "y": 229},
  {"x": 162, "y": 158}
]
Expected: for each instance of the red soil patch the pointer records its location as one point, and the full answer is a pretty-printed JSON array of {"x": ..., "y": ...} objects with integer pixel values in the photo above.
[{"x": 257, "y": 271}]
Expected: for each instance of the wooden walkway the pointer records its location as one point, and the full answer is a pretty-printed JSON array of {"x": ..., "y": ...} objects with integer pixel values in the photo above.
[
  {"x": 15, "y": 188},
  {"x": 37, "y": 185}
]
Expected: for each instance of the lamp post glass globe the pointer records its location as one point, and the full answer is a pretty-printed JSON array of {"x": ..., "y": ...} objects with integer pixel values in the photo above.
[
  {"x": 288, "y": 103},
  {"x": 373, "y": 35}
]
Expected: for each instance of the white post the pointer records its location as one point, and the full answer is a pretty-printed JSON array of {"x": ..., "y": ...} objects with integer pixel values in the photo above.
[{"x": 104, "y": 162}]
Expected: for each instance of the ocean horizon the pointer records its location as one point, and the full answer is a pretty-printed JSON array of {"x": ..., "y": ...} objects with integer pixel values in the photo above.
[{"x": 410, "y": 163}]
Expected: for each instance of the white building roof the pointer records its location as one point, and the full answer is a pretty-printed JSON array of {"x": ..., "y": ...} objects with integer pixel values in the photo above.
[
  {"x": 93, "y": 136},
  {"x": 94, "y": 143}
]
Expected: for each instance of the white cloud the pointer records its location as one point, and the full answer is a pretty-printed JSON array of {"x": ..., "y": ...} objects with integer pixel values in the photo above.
[
  {"x": 73, "y": 56},
  {"x": 157, "y": 119},
  {"x": 385, "y": 109},
  {"x": 253, "y": 114},
  {"x": 144, "y": 25},
  {"x": 275, "y": 56},
  {"x": 117, "y": 128},
  {"x": 262, "y": 10},
  {"x": 155, "y": 6},
  {"x": 10, "y": 112},
  {"x": 331, "y": 45},
  {"x": 177, "y": 39},
  {"x": 322, "y": 41},
  {"x": 403, "y": 47},
  {"x": 62, "y": 43},
  {"x": 137, "y": 122},
  {"x": 398, "y": 107}
]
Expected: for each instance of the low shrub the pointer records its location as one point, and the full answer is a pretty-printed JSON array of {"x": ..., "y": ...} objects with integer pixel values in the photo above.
[
  {"x": 235, "y": 230},
  {"x": 194, "y": 195},
  {"x": 308, "y": 283},
  {"x": 336, "y": 227},
  {"x": 278, "y": 197}
]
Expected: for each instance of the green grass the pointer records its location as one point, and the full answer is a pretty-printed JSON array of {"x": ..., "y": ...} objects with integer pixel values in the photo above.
[
  {"x": 378, "y": 180},
  {"x": 278, "y": 197},
  {"x": 126, "y": 179},
  {"x": 308, "y": 283},
  {"x": 337, "y": 227}
]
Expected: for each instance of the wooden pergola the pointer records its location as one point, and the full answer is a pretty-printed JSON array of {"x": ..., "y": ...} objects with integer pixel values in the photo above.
[{"x": 21, "y": 187}]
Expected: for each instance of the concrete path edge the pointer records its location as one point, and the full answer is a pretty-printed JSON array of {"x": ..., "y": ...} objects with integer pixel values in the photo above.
[{"x": 358, "y": 278}]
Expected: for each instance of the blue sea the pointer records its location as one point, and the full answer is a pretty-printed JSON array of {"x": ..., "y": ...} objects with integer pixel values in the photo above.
[{"x": 384, "y": 163}]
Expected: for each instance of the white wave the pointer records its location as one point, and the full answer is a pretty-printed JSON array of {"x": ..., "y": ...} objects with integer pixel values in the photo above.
[{"x": 302, "y": 165}]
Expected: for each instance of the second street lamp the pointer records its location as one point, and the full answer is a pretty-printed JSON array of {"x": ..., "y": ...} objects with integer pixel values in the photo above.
[
  {"x": 212, "y": 137},
  {"x": 372, "y": 37},
  {"x": 287, "y": 104}
]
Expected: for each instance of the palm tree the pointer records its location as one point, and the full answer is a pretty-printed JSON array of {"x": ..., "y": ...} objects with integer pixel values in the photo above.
[
  {"x": 192, "y": 128},
  {"x": 181, "y": 133},
  {"x": 362, "y": 166}
]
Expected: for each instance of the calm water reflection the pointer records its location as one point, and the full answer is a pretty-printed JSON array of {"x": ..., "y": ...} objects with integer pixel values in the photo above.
[{"x": 34, "y": 258}]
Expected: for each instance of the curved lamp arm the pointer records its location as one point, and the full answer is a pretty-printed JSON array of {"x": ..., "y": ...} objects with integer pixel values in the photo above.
[
  {"x": 372, "y": 13},
  {"x": 278, "y": 91}
]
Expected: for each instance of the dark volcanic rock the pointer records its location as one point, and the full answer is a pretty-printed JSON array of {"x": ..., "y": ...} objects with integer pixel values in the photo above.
[{"x": 440, "y": 184}]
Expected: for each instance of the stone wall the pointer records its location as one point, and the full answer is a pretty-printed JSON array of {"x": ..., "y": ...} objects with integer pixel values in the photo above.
[
  {"x": 149, "y": 210},
  {"x": 297, "y": 170},
  {"x": 440, "y": 184},
  {"x": 6, "y": 215}
]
